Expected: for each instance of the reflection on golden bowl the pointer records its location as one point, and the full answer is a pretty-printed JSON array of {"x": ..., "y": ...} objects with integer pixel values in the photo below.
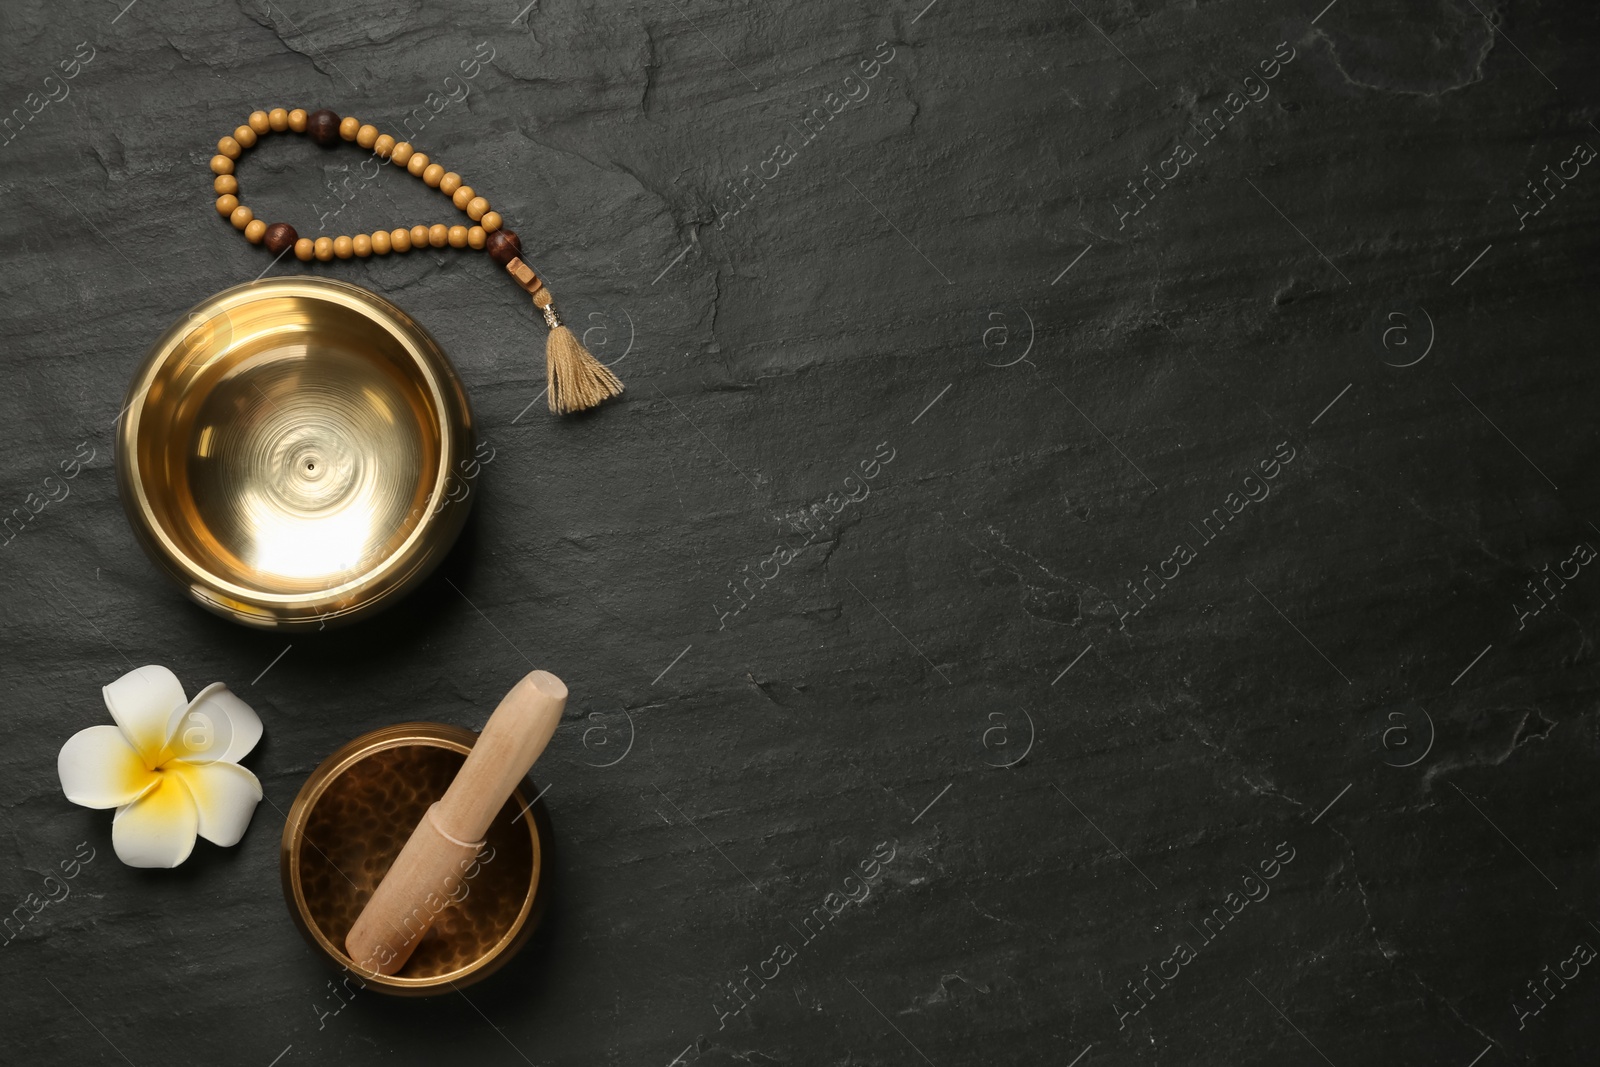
[
  {"x": 349, "y": 822},
  {"x": 285, "y": 452}
]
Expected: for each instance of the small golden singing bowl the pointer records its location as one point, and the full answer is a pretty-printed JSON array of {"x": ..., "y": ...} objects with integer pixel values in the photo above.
[
  {"x": 288, "y": 453},
  {"x": 349, "y": 822}
]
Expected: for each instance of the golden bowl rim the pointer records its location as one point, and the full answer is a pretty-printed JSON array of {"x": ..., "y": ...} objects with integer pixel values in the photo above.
[
  {"x": 438, "y": 735},
  {"x": 387, "y": 579}
]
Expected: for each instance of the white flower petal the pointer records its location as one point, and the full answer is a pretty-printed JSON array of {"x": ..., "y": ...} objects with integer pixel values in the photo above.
[
  {"x": 158, "y": 829},
  {"x": 225, "y": 794},
  {"x": 216, "y": 725},
  {"x": 99, "y": 769},
  {"x": 143, "y": 703}
]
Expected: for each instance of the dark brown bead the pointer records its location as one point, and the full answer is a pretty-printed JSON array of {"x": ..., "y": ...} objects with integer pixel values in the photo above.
[
  {"x": 503, "y": 246},
  {"x": 280, "y": 236},
  {"x": 323, "y": 127}
]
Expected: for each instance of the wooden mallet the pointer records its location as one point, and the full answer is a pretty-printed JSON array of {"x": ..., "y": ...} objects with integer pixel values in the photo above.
[{"x": 451, "y": 833}]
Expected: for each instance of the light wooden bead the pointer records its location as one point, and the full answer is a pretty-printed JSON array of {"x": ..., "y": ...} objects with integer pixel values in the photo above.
[
  {"x": 304, "y": 249},
  {"x": 225, "y": 183},
  {"x": 383, "y": 146},
  {"x": 476, "y": 207},
  {"x": 221, "y": 165},
  {"x": 450, "y": 183},
  {"x": 245, "y": 136},
  {"x": 297, "y": 120},
  {"x": 230, "y": 148},
  {"x": 457, "y": 236},
  {"x": 367, "y": 135},
  {"x": 226, "y": 203},
  {"x": 402, "y": 153},
  {"x": 259, "y": 122},
  {"x": 361, "y": 245},
  {"x": 349, "y": 126},
  {"x": 462, "y": 197},
  {"x": 476, "y": 237},
  {"x": 380, "y": 242},
  {"x": 433, "y": 175},
  {"x": 490, "y": 221},
  {"x": 255, "y": 230},
  {"x": 343, "y": 247},
  {"x": 419, "y": 236},
  {"x": 417, "y": 163},
  {"x": 438, "y": 235},
  {"x": 324, "y": 248},
  {"x": 400, "y": 240},
  {"x": 241, "y": 217},
  {"x": 278, "y": 119}
]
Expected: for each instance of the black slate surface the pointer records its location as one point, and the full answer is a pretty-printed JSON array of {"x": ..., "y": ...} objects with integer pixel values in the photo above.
[{"x": 1348, "y": 684}]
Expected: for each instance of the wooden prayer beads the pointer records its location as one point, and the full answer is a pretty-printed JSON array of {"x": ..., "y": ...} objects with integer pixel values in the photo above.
[
  {"x": 576, "y": 379},
  {"x": 328, "y": 129}
]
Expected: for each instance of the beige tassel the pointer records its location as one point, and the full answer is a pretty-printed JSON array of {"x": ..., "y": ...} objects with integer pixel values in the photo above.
[{"x": 576, "y": 380}]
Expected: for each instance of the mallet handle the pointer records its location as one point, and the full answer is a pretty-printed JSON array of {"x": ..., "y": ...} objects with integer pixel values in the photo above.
[{"x": 428, "y": 869}]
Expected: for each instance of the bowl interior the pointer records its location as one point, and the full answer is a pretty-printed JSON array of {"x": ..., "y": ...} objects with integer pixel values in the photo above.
[
  {"x": 289, "y": 445},
  {"x": 355, "y": 828}
]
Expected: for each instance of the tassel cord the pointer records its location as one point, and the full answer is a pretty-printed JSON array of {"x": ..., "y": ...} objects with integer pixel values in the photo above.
[{"x": 576, "y": 380}]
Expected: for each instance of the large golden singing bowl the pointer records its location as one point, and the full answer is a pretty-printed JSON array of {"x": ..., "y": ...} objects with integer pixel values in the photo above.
[
  {"x": 349, "y": 822},
  {"x": 288, "y": 453}
]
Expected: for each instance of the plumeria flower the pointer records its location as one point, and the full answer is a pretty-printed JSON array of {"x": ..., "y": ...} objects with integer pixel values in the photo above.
[{"x": 169, "y": 766}]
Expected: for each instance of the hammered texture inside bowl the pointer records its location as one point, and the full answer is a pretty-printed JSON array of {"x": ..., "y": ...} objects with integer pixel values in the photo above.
[{"x": 351, "y": 820}]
